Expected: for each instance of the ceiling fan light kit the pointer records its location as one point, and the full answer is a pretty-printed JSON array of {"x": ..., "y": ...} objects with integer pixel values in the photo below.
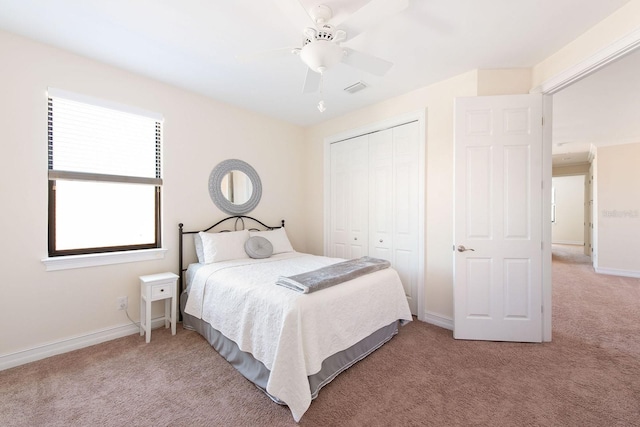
[{"x": 321, "y": 55}]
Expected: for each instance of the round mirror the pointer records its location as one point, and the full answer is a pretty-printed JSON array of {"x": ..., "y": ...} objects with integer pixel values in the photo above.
[{"x": 235, "y": 187}]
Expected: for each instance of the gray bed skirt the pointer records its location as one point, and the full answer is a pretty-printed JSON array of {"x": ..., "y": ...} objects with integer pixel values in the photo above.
[{"x": 257, "y": 373}]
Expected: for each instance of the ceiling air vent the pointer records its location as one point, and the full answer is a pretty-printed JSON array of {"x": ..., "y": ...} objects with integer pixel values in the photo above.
[{"x": 356, "y": 87}]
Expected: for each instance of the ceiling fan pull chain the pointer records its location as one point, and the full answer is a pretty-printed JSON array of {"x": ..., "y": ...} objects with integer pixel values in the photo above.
[{"x": 321, "y": 106}]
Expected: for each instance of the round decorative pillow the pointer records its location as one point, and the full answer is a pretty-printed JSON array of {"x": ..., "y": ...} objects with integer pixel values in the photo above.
[{"x": 258, "y": 247}]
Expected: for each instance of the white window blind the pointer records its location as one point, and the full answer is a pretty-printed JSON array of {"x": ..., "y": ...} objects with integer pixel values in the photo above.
[{"x": 94, "y": 142}]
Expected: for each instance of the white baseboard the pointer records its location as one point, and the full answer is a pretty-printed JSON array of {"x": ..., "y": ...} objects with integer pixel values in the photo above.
[
  {"x": 438, "y": 320},
  {"x": 568, "y": 242},
  {"x": 41, "y": 352},
  {"x": 618, "y": 272}
]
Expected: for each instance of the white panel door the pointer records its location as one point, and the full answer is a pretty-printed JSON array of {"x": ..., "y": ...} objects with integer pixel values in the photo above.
[
  {"x": 358, "y": 184},
  {"x": 498, "y": 218},
  {"x": 406, "y": 151},
  {"x": 349, "y": 198},
  {"x": 339, "y": 197},
  {"x": 381, "y": 195}
]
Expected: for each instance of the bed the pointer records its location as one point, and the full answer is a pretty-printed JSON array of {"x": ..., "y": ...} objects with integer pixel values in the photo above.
[{"x": 289, "y": 344}]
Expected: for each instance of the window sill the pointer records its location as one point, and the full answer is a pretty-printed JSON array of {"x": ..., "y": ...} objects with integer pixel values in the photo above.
[{"x": 107, "y": 258}]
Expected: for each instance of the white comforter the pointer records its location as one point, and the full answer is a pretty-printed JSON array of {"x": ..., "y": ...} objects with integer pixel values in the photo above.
[{"x": 289, "y": 332}]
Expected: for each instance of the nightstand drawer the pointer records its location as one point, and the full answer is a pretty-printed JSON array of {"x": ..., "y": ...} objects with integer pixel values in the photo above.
[{"x": 162, "y": 291}]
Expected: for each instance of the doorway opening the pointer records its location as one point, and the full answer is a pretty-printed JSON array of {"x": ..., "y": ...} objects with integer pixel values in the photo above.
[{"x": 594, "y": 133}]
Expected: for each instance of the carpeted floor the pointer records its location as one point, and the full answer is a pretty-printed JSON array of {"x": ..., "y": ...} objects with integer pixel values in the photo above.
[{"x": 588, "y": 376}]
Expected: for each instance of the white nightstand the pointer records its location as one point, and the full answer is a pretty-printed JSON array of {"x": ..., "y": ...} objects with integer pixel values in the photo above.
[{"x": 156, "y": 287}]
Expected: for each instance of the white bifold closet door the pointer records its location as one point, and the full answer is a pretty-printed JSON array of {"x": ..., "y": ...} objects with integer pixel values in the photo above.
[
  {"x": 349, "y": 196},
  {"x": 374, "y": 200}
]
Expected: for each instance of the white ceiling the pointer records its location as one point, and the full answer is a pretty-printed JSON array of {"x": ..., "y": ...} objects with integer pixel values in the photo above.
[{"x": 193, "y": 44}]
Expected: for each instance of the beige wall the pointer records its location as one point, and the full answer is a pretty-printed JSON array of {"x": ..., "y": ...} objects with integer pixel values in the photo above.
[
  {"x": 618, "y": 205},
  {"x": 568, "y": 227},
  {"x": 38, "y": 307},
  {"x": 504, "y": 82},
  {"x": 577, "y": 169}
]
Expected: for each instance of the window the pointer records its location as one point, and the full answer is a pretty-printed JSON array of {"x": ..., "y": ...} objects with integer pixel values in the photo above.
[{"x": 104, "y": 176}]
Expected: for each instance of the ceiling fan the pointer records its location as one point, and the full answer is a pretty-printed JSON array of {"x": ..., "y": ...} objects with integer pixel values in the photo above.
[{"x": 322, "y": 42}]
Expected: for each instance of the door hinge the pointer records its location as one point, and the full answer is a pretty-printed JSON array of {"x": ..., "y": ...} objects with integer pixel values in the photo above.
[
  {"x": 542, "y": 120},
  {"x": 542, "y": 309}
]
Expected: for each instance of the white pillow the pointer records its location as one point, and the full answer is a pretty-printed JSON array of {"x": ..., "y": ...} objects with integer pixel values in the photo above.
[
  {"x": 223, "y": 246},
  {"x": 197, "y": 241},
  {"x": 278, "y": 239}
]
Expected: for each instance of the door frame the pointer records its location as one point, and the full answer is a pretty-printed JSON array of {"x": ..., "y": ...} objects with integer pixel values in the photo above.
[
  {"x": 421, "y": 117},
  {"x": 590, "y": 65}
]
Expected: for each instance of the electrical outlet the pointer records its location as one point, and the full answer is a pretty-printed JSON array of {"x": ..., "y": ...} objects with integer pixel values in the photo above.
[{"x": 122, "y": 303}]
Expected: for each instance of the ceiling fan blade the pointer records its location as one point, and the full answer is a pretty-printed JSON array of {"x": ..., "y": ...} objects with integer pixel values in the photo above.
[
  {"x": 370, "y": 14},
  {"x": 296, "y": 13},
  {"x": 311, "y": 81},
  {"x": 266, "y": 54},
  {"x": 365, "y": 62}
]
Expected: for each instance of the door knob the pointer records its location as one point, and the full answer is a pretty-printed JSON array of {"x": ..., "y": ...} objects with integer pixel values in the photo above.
[{"x": 461, "y": 248}]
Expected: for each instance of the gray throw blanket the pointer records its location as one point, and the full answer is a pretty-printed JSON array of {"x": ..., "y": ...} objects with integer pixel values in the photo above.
[{"x": 332, "y": 274}]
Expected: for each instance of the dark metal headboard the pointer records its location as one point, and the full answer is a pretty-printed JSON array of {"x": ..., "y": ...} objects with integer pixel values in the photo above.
[{"x": 236, "y": 223}]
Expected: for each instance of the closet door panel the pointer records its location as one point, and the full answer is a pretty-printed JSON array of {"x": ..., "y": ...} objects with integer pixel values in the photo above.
[
  {"x": 405, "y": 264},
  {"x": 339, "y": 201},
  {"x": 380, "y": 195},
  {"x": 406, "y": 150},
  {"x": 357, "y": 202}
]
